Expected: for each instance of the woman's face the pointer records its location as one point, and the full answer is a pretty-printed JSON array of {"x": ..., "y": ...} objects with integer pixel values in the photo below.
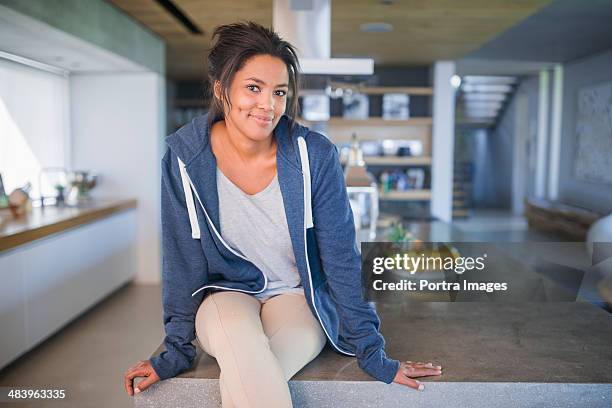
[{"x": 258, "y": 94}]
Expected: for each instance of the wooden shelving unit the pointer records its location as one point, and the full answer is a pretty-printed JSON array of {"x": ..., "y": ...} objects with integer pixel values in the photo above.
[
  {"x": 396, "y": 160},
  {"x": 418, "y": 121},
  {"x": 378, "y": 90},
  {"x": 340, "y": 130}
]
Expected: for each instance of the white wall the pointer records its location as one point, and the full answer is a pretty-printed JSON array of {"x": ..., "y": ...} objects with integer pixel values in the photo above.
[
  {"x": 591, "y": 194},
  {"x": 118, "y": 125}
]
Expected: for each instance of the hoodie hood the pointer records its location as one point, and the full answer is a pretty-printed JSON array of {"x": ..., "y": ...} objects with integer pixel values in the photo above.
[
  {"x": 192, "y": 138},
  {"x": 322, "y": 232}
]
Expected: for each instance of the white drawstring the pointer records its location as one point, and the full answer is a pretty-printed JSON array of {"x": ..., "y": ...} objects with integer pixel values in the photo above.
[
  {"x": 307, "y": 190},
  {"x": 193, "y": 218}
]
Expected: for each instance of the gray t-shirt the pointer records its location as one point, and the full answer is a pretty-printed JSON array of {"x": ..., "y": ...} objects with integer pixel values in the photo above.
[{"x": 256, "y": 226}]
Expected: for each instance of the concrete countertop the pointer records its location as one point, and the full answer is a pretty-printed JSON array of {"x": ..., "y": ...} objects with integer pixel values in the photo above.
[{"x": 531, "y": 352}]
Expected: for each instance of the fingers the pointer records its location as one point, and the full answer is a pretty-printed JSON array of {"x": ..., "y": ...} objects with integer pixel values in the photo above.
[
  {"x": 420, "y": 369},
  {"x": 410, "y": 369},
  {"x": 142, "y": 369},
  {"x": 423, "y": 365},
  {"x": 421, "y": 372},
  {"x": 129, "y": 379},
  {"x": 417, "y": 385},
  {"x": 419, "y": 364},
  {"x": 146, "y": 383}
]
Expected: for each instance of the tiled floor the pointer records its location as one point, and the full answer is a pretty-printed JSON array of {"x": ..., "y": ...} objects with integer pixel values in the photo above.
[{"x": 89, "y": 356}]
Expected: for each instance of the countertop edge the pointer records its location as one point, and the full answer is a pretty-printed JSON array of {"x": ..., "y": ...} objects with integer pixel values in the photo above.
[{"x": 85, "y": 216}]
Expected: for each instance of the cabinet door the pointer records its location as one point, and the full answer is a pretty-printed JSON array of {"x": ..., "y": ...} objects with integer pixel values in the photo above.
[
  {"x": 13, "y": 340},
  {"x": 69, "y": 272}
]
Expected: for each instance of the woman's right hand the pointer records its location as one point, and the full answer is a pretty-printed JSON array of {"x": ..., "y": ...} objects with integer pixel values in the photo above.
[
  {"x": 141, "y": 369},
  {"x": 408, "y": 370}
]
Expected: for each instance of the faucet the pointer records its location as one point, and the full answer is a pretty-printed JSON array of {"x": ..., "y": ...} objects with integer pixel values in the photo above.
[{"x": 44, "y": 170}]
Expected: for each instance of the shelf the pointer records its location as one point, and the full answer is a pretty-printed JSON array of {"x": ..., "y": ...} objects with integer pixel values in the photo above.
[
  {"x": 396, "y": 160},
  {"x": 417, "y": 121},
  {"x": 410, "y": 195},
  {"x": 379, "y": 90}
]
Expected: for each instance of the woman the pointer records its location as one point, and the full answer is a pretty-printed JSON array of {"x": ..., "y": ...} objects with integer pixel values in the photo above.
[{"x": 261, "y": 263}]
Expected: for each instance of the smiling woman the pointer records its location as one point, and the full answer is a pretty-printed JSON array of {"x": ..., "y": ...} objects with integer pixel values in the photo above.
[
  {"x": 247, "y": 271},
  {"x": 238, "y": 43},
  {"x": 251, "y": 71}
]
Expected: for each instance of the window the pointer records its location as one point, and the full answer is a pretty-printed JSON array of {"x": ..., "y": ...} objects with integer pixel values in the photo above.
[{"x": 34, "y": 126}]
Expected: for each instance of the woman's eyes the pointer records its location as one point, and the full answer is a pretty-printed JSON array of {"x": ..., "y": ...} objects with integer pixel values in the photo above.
[{"x": 282, "y": 92}]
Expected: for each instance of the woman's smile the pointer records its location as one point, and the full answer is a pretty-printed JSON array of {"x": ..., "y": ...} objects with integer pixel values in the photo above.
[{"x": 262, "y": 120}]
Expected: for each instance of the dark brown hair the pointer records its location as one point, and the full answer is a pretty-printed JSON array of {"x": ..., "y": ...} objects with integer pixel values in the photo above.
[{"x": 235, "y": 44}]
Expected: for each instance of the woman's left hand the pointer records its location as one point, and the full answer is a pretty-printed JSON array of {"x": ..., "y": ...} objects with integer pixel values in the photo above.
[{"x": 409, "y": 370}]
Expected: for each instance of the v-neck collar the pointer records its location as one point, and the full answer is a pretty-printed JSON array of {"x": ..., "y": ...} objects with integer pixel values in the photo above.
[
  {"x": 271, "y": 185},
  {"x": 202, "y": 171}
]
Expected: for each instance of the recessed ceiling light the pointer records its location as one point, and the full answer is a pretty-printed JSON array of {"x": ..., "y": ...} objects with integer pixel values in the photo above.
[{"x": 376, "y": 27}]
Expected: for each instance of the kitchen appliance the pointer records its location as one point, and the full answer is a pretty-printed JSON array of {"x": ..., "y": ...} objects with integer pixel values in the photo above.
[{"x": 361, "y": 188}]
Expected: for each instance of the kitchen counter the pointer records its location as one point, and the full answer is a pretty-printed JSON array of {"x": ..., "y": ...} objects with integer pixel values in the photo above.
[
  {"x": 45, "y": 221},
  {"x": 515, "y": 354},
  {"x": 56, "y": 263},
  {"x": 535, "y": 352}
]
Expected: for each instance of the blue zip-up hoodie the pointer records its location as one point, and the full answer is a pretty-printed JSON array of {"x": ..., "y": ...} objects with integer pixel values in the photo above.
[{"x": 197, "y": 260}]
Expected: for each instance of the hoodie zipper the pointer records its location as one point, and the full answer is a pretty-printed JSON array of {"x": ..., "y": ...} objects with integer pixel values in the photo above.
[
  {"x": 224, "y": 244},
  {"x": 308, "y": 223}
]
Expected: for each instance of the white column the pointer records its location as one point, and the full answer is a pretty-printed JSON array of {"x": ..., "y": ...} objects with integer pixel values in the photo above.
[
  {"x": 555, "y": 134},
  {"x": 443, "y": 141},
  {"x": 542, "y": 137},
  {"x": 519, "y": 159}
]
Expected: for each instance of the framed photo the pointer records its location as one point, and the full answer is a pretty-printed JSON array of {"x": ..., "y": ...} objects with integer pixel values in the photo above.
[
  {"x": 315, "y": 107},
  {"x": 356, "y": 106},
  {"x": 396, "y": 106}
]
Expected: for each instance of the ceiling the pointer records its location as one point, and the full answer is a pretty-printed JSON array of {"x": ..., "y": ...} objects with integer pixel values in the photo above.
[
  {"x": 424, "y": 30},
  {"x": 561, "y": 32},
  {"x": 24, "y": 36}
]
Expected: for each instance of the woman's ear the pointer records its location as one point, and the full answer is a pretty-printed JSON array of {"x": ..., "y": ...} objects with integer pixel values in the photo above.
[{"x": 217, "y": 89}]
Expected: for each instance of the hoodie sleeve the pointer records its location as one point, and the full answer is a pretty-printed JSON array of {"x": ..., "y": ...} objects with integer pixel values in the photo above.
[
  {"x": 184, "y": 268},
  {"x": 341, "y": 262}
]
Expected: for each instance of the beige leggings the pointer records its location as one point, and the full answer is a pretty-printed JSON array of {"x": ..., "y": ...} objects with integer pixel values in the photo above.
[{"x": 259, "y": 345}]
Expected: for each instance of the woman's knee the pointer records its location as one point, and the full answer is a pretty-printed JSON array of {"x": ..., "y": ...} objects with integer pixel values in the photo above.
[
  {"x": 230, "y": 319},
  {"x": 203, "y": 322}
]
